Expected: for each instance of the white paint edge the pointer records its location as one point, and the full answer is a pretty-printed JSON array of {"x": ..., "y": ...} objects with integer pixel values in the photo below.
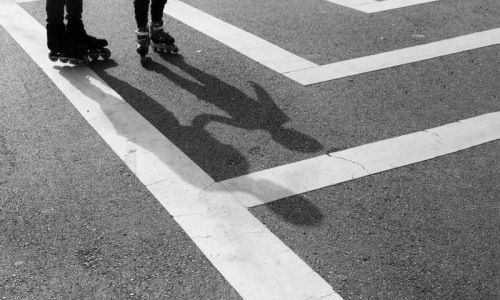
[
  {"x": 390, "y": 5},
  {"x": 315, "y": 173},
  {"x": 395, "y": 58},
  {"x": 267, "y": 54},
  {"x": 371, "y": 6},
  {"x": 253, "y": 260}
]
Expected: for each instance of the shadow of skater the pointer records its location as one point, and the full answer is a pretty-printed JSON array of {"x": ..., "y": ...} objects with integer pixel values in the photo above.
[
  {"x": 245, "y": 112},
  {"x": 169, "y": 126}
]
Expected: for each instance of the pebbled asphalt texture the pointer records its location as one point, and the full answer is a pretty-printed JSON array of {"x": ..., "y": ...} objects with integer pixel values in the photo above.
[{"x": 76, "y": 223}]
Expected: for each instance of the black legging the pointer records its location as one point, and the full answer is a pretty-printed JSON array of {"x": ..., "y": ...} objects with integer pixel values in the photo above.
[
  {"x": 55, "y": 10},
  {"x": 141, "y": 11}
]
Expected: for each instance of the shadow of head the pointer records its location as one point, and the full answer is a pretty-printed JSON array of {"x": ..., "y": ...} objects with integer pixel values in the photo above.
[
  {"x": 295, "y": 140},
  {"x": 297, "y": 210}
]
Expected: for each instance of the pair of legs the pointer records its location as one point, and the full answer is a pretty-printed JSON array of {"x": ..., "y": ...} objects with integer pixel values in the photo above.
[
  {"x": 56, "y": 9},
  {"x": 57, "y": 37},
  {"x": 142, "y": 9},
  {"x": 71, "y": 40},
  {"x": 162, "y": 41}
]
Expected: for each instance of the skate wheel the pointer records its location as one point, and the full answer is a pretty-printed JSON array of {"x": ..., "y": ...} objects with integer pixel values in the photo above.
[
  {"x": 85, "y": 61},
  {"x": 63, "y": 60},
  {"x": 53, "y": 58},
  {"x": 94, "y": 56},
  {"x": 106, "y": 54}
]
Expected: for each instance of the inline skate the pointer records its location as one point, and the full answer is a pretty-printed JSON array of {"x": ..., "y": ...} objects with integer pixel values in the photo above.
[
  {"x": 162, "y": 41},
  {"x": 143, "y": 42},
  {"x": 62, "y": 49},
  {"x": 95, "y": 47}
]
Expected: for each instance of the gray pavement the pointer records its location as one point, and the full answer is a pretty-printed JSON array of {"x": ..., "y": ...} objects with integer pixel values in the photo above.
[{"x": 77, "y": 224}]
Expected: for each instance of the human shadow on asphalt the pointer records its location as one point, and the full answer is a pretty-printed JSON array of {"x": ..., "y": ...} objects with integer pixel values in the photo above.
[
  {"x": 244, "y": 111},
  {"x": 188, "y": 138}
]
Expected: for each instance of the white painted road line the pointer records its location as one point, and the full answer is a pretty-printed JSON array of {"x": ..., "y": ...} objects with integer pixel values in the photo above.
[
  {"x": 253, "y": 260},
  {"x": 306, "y": 72},
  {"x": 315, "y": 173},
  {"x": 395, "y": 58},
  {"x": 269, "y": 55},
  {"x": 372, "y": 6}
]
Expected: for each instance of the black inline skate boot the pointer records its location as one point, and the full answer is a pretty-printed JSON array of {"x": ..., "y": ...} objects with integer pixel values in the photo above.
[
  {"x": 143, "y": 42},
  {"x": 161, "y": 40},
  {"x": 76, "y": 33},
  {"x": 61, "y": 48}
]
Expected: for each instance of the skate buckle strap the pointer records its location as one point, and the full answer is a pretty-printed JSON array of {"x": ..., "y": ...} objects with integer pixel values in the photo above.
[
  {"x": 142, "y": 31},
  {"x": 157, "y": 25}
]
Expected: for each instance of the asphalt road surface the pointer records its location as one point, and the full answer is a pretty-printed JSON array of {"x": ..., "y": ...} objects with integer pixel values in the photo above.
[{"x": 214, "y": 174}]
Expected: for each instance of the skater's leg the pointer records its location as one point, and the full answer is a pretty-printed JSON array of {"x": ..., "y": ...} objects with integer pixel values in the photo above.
[
  {"x": 159, "y": 36},
  {"x": 76, "y": 31},
  {"x": 55, "y": 11},
  {"x": 141, "y": 8},
  {"x": 74, "y": 9},
  {"x": 161, "y": 39},
  {"x": 143, "y": 42},
  {"x": 62, "y": 48},
  {"x": 157, "y": 7},
  {"x": 57, "y": 40}
]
